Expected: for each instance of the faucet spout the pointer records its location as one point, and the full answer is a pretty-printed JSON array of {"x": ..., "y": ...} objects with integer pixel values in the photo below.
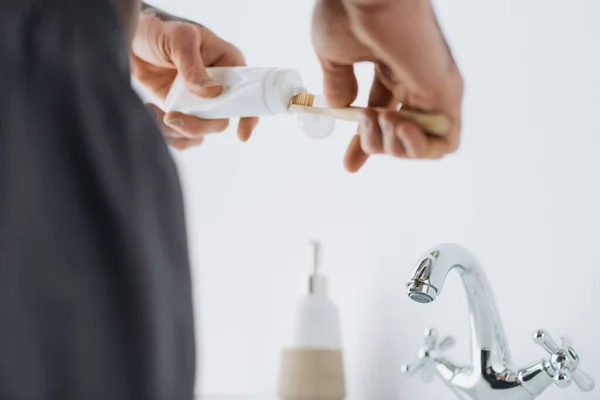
[
  {"x": 487, "y": 333},
  {"x": 491, "y": 375}
]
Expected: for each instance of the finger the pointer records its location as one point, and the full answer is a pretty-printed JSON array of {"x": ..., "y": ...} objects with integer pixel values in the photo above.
[
  {"x": 222, "y": 53},
  {"x": 392, "y": 144},
  {"x": 406, "y": 132},
  {"x": 184, "y": 41},
  {"x": 413, "y": 139},
  {"x": 417, "y": 143},
  {"x": 437, "y": 147},
  {"x": 380, "y": 96},
  {"x": 340, "y": 85},
  {"x": 183, "y": 144},
  {"x": 371, "y": 140},
  {"x": 159, "y": 116},
  {"x": 231, "y": 56},
  {"x": 355, "y": 157},
  {"x": 216, "y": 51},
  {"x": 245, "y": 128},
  {"x": 192, "y": 127}
]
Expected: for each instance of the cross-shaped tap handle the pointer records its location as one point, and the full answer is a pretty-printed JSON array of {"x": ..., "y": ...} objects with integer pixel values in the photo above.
[
  {"x": 429, "y": 352},
  {"x": 565, "y": 362}
]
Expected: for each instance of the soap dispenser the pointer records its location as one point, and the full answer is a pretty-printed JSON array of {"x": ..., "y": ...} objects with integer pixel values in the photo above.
[{"x": 311, "y": 365}]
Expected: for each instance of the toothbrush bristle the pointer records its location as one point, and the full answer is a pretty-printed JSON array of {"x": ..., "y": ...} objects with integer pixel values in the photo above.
[{"x": 303, "y": 99}]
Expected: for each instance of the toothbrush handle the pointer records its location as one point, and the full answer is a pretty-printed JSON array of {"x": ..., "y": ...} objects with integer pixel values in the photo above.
[{"x": 432, "y": 123}]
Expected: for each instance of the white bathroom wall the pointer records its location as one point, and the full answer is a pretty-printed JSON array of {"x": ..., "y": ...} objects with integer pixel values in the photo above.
[{"x": 522, "y": 194}]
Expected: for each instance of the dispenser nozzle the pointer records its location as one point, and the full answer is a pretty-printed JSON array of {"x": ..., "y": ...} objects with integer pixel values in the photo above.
[
  {"x": 316, "y": 281},
  {"x": 313, "y": 256}
]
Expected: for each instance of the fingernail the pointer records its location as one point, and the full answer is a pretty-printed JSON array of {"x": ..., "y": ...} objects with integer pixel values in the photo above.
[
  {"x": 386, "y": 127},
  {"x": 208, "y": 83},
  {"x": 408, "y": 146},
  {"x": 364, "y": 123},
  {"x": 174, "y": 123},
  {"x": 244, "y": 136},
  {"x": 409, "y": 150}
]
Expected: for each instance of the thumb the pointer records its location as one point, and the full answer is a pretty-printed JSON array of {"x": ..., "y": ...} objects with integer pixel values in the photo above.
[
  {"x": 340, "y": 85},
  {"x": 184, "y": 43}
]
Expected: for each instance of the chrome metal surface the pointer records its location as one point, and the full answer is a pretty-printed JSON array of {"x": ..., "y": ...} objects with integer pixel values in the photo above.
[{"x": 491, "y": 375}]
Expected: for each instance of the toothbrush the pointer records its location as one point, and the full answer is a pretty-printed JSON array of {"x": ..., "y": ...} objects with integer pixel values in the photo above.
[{"x": 432, "y": 123}]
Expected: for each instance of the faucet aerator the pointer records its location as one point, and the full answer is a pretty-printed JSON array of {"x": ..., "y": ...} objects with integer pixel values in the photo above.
[
  {"x": 421, "y": 292},
  {"x": 420, "y": 297}
]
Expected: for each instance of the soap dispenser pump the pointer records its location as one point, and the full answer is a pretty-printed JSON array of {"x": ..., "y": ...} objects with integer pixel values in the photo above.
[{"x": 311, "y": 366}]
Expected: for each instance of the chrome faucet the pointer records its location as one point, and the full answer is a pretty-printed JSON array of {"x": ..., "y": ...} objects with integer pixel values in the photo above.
[{"x": 491, "y": 375}]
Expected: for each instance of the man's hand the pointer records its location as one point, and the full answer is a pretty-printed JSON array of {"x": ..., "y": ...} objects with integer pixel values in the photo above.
[
  {"x": 162, "y": 48},
  {"x": 413, "y": 67}
]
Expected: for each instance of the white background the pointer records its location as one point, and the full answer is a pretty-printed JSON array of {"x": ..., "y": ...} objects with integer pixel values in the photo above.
[{"x": 522, "y": 194}]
